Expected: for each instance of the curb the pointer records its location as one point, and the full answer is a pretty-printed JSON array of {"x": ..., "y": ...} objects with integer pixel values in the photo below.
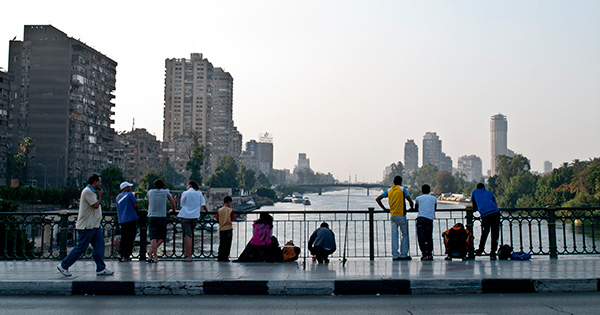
[{"x": 300, "y": 287}]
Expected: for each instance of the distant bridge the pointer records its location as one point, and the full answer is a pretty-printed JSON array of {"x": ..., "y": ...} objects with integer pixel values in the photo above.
[{"x": 319, "y": 187}]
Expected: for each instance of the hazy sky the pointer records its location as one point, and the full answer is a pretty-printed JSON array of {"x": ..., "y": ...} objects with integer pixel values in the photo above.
[{"x": 348, "y": 82}]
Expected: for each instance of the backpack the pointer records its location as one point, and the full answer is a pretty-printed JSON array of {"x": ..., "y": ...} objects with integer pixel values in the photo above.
[
  {"x": 520, "y": 256},
  {"x": 504, "y": 252},
  {"x": 290, "y": 252}
]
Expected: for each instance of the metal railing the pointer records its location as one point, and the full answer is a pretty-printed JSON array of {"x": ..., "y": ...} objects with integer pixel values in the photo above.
[{"x": 538, "y": 231}]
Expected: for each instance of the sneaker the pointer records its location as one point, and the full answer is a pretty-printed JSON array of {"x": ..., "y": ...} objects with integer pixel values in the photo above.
[
  {"x": 429, "y": 257},
  {"x": 123, "y": 259},
  {"x": 64, "y": 271},
  {"x": 104, "y": 272}
]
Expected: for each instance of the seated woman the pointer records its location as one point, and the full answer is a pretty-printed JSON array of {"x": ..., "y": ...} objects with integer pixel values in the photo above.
[{"x": 263, "y": 246}]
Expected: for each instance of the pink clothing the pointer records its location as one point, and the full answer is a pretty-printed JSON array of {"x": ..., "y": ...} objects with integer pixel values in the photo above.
[{"x": 262, "y": 234}]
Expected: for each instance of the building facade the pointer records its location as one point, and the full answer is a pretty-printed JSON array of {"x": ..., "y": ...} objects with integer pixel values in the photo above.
[
  {"x": 411, "y": 156},
  {"x": 142, "y": 153},
  {"x": 499, "y": 139},
  {"x": 303, "y": 162},
  {"x": 4, "y": 99},
  {"x": 63, "y": 100},
  {"x": 547, "y": 167},
  {"x": 471, "y": 166},
  {"x": 198, "y": 111}
]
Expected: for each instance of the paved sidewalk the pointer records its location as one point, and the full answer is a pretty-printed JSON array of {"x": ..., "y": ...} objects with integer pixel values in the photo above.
[{"x": 359, "y": 276}]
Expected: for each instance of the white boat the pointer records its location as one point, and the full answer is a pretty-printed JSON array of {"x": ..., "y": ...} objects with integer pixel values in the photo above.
[{"x": 297, "y": 198}]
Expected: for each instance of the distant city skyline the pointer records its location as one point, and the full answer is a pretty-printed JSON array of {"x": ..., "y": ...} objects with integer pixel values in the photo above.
[{"x": 360, "y": 75}]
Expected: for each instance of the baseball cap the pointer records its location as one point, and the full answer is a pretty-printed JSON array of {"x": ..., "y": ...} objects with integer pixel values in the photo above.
[{"x": 125, "y": 184}]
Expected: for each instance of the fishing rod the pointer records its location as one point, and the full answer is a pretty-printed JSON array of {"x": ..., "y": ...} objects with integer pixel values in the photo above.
[{"x": 346, "y": 233}]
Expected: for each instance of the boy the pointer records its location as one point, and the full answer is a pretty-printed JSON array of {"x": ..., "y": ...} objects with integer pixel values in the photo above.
[
  {"x": 457, "y": 240},
  {"x": 322, "y": 243},
  {"x": 426, "y": 204},
  {"x": 225, "y": 216}
]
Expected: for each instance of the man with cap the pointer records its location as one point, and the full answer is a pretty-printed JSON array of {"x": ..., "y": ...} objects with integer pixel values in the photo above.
[{"x": 127, "y": 207}]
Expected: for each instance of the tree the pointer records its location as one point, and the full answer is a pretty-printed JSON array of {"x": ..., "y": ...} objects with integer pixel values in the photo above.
[
  {"x": 226, "y": 174},
  {"x": 266, "y": 192},
  {"x": 112, "y": 176},
  {"x": 247, "y": 177},
  {"x": 444, "y": 182},
  {"x": 262, "y": 180},
  {"x": 512, "y": 181},
  {"x": 426, "y": 175},
  {"x": 147, "y": 180},
  {"x": 171, "y": 174},
  {"x": 195, "y": 163},
  {"x": 27, "y": 146},
  {"x": 397, "y": 169},
  {"x": 16, "y": 163}
]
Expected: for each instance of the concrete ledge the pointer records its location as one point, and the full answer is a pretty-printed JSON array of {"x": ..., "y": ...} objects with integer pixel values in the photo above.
[
  {"x": 236, "y": 288},
  {"x": 308, "y": 287},
  {"x": 445, "y": 286},
  {"x": 369, "y": 287},
  {"x": 36, "y": 288},
  {"x": 103, "y": 288},
  {"x": 169, "y": 288},
  {"x": 566, "y": 285}
]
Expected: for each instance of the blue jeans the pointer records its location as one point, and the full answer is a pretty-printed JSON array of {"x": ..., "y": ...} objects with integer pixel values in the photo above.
[
  {"x": 96, "y": 238},
  {"x": 399, "y": 221}
]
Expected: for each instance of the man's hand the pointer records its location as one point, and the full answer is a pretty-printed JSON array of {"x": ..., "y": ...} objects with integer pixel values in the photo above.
[{"x": 100, "y": 192}]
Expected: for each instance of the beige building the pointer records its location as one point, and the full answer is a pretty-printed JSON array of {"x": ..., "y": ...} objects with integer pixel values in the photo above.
[{"x": 142, "y": 153}]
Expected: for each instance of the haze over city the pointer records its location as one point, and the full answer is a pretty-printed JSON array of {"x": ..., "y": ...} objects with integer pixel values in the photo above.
[{"x": 348, "y": 82}]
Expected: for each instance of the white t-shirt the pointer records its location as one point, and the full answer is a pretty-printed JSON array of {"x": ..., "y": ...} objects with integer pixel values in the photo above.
[
  {"x": 426, "y": 206},
  {"x": 191, "y": 201}
]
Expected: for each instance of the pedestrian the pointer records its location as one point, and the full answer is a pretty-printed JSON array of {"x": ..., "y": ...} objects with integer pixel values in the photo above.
[
  {"x": 127, "y": 207},
  {"x": 397, "y": 196},
  {"x": 157, "y": 216},
  {"x": 225, "y": 216},
  {"x": 485, "y": 202},
  {"x": 88, "y": 229},
  {"x": 191, "y": 202},
  {"x": 426, "y": 205},
  {"x": 322, "y": 243}
]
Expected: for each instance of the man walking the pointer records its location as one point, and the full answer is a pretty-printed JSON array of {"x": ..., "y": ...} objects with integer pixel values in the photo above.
[
  {"x": 397, "y": 194},
  {"x": 485, "y": 202},
  {"x": 127, "y": 207},
  {"x": 88, "y": 229}
]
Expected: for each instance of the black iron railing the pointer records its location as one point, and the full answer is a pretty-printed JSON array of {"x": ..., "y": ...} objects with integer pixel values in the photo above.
[{"x": 538, "y": 231}]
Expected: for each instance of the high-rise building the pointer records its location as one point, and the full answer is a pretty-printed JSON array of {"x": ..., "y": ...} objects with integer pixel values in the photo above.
[
  {"x": 265, "y": 153},
  {"x": 4, "y": 99},
  {"x": 303, "y": 162},
  {"x": 143, "y": 153},
  {"x": 411, "y": 156},
  {"x": 471, "y": 166},
  {"x": 499, "y": 139},
  {"x": 63, "y": 92},
  {"x": 198, "y": 110},
  {"x": 547, "y": 167},
  {"x": 445, "y": 163}
]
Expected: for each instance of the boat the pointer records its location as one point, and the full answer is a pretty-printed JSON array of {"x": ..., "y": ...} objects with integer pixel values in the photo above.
[
  {"x": 306, "y": 201},
  {"x": 297, "y": 198},
  {"x": 287, "y": 199}
]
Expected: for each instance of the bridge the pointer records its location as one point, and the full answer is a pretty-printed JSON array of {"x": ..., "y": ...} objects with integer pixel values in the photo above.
[{"x": 319, "y": 187}]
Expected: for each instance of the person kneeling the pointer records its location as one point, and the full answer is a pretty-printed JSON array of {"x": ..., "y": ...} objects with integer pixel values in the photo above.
[{"x": 322, "y": 243}]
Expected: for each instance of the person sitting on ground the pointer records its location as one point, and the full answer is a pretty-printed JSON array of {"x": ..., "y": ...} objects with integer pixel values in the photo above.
[
  {"x": 322, "y": 243},
  {"x": 457, "y": 241},
  {"x": 263, "y": 246}
]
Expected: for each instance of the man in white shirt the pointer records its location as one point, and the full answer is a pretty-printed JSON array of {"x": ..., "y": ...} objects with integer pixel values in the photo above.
[{"x": 426, "y": 204}]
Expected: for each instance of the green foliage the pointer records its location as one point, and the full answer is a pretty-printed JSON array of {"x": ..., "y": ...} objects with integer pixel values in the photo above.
[
  {"x": 170, "y": 173},
  {"x": 194, "y": 165},
  {"x": 445, "y": 182},
  {"x": 308, "y": 176},
  {"x": 112, "y": 177},
  {"x": 266, "y": 192},
  {"x": 397, "y": 169},
  {"x": 147, "y": 181},
  {"x": 56, "y": 196},
  {"x": 286, "y": 190},
  {"x": 263, "y": 180},
  {"x": 426, "y": 175},
  {"x": 226, "y": 174},
  {"x": 16, "y": 164},
  {"x": 247, "y": 177},
  {"x": 13, "y": 238}
]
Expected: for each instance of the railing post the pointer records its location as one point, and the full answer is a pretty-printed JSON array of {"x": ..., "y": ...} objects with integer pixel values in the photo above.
[
  {"x": 143, "y": 222},
  {"x": 64, "y": 220},
  {"x": 371, "y": 233},
  {"x": 552, "y": 232},
  {"x": 470, "y": 218}
]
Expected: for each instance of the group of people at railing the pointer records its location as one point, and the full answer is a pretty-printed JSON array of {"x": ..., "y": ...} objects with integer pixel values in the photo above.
[{"x": 263, "y": 246}]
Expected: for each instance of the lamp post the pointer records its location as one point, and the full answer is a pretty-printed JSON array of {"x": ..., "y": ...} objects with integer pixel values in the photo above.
[
  {"x": 56, "y": 181},
  {"x": 45, "y": 175}
]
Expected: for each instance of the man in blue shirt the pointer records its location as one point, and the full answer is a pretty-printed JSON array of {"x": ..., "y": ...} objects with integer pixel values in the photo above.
[
  {"x": 485, "y": 202},
  {"x": 127, "y": 207}
]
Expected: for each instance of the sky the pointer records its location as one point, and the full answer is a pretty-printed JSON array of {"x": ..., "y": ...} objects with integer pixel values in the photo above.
[{"x": 348, "y": 82}]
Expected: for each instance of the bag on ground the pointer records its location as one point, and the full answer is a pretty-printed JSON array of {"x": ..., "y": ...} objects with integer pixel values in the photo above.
[
  {"x": 504, "y": 252},
  {"x": 520, "y": 256}
]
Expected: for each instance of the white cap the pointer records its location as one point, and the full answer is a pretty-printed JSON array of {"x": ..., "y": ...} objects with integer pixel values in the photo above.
[{"x": 125, "y": 184}]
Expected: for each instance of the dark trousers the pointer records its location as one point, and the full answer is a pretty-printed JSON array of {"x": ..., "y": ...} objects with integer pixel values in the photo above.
[
  {"x": 425, "y": 235},
  {"x": 321, "y": 253},
  {"x": 490, "y": 222},
  {"x": 225, "y": 238},
  {"x": 128, "y": 232}
]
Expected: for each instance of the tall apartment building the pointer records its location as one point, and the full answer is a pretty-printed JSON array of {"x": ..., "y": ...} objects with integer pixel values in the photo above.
[
  {"x": 198, "y": 109},
  {"x": 547, "y": 167},
  {"x": 142, "y": 153},
  {"x": 499, "y": 139},
  {"x": 265, "y": 154},
  {"x": 4, "y": 99},
  {"x": 63, "y": 92},
  {"x": 445, "y": 163},
  {"x": 432, "y": 152},
  {"x": 471, "y": 166},
  {"x": 411, "y": 156},
  {"x": 303, "y": 162}
]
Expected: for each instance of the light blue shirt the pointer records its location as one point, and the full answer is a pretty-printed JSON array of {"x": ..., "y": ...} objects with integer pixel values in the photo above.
[{"x": 426, "y": 204}]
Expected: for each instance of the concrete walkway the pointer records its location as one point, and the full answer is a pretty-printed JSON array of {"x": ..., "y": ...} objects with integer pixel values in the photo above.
[{"x": 359, "y": 276}]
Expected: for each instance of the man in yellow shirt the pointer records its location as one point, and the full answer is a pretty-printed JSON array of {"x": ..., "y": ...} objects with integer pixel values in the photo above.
[{"x": 397, "y": 194}]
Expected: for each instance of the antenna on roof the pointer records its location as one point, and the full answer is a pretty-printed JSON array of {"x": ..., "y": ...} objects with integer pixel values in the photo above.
[{"x": 133, "y": 125}]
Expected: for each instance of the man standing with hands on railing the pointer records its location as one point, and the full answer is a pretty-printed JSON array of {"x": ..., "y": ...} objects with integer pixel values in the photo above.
[
  {"x": 485, "y": 202},
  {"x": 397, "y": 194},
  {"x": 88, "y": 229}
]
